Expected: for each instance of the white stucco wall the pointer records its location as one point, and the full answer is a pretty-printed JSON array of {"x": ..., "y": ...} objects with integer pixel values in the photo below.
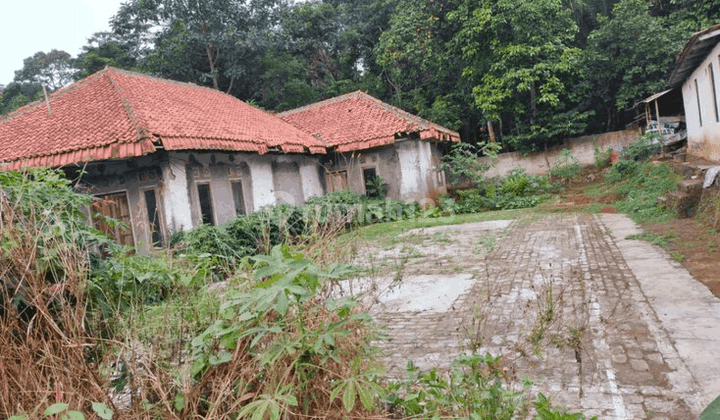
[
  {"x": 311, "y": 184},
  {"x": 175, "y": 198},
  {"x": 409, "y": 157},
  {"x": 262, "y": 186},
  {"x": 418, "y": 177},
  {"x": 703, "y": 140}
]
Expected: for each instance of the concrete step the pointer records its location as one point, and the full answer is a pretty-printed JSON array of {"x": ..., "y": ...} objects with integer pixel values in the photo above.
[
  {"x": 683, "y": 203},
  {"x": 691, "y": 186}
]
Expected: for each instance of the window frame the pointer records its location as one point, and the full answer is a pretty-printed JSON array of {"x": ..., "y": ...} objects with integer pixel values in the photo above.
[
  {"x": 131, "y": 223},
  {"x": 159, "y": 216},
  {"x": 198, "y": 184},
  {"x": 697, "y": 98}
]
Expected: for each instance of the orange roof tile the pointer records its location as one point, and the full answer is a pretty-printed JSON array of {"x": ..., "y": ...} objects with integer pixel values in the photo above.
[
  {"x": 116, "y": 114},
  {"x": 357, "y": 121}
]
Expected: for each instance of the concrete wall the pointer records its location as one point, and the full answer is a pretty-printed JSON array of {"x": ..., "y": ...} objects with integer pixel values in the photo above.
[
  {"x": 583, "y": 149},
  {"x": 408, "y": 167},
  {"x": 384, "y": 160},
  {"x": 703, "y": 138},
  {"x": 266, "y": 180},
  {"x": 420, "y": 179},
  {"x": 132, "y": 178}
]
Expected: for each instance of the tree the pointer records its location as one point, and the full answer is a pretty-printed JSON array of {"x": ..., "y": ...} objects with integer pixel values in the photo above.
[
  {"x": 422, "y": 62},
  {"x": 629, "y": 57},
  {"x": 54, "y": 69},
  {"x": 105, "y": 49},
  {"x": 15, "y": 95},
  {"x": 524, "y": 68},
  {"x": 215, "y": 42}
]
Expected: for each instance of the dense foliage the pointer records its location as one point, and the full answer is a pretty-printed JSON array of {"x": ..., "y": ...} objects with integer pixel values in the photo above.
[
  {"x": 525, "y": 73},
  {"x": 90, "y": 329}
]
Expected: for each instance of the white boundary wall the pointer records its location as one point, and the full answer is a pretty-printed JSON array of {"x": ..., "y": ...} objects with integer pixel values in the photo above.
[{"x": 583, "y": 149}]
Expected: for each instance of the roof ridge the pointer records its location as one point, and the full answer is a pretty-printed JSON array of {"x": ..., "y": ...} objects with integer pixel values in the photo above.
[
  {"x": 58, "y": 93},
  {"x": 334, "y": 99},
  {"x": 135, "y": 119},
  {"x": 424, "y": 124}
]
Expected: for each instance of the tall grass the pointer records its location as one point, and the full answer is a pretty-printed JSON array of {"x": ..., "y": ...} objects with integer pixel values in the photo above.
[{"x": 45, "y": 347}]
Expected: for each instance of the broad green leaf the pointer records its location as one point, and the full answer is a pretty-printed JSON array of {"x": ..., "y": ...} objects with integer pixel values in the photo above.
[
  {"x": 73, "y": 415},
  {"x": 19, "y": 417},
  {"x": 102, "y": 411},
  {"x": 222, "y": 357},
  {"x": 712, "y": 411},
  {"x": 55, "y": 408},
  {"x": 349, "y": 396},
  {"x": 179, "y": 401}
]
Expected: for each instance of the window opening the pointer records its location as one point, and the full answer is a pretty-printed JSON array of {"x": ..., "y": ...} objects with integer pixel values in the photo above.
[
  {"x": 714, "y": 92},
  {"x": 205, "y": 199},
  {"x": 697, "y": 96},
  {"x": 153, "y": 217},
  {"x": 368, "y": 175},
  {"x": 238, "y": 198},
  {"x": 114, "y": 206}
]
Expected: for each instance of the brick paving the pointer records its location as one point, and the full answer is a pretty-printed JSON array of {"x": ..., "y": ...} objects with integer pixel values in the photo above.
[{"x": 556, "y": 298}]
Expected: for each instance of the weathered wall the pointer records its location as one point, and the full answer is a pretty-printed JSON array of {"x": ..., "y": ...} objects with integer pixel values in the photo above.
[
  {"x": 407, "y": 166},
  {"x": 583, "y": 149},
  {"x": 420, "y": 179},
  {"x": 384, "y": 160},
  {"x": 703, "y": 138},
  {"x": 133, "y": 178},
  {"x": 266, "y": 180}
]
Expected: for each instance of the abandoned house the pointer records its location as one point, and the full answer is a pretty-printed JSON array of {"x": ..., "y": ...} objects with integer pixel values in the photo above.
[
  {"x": 697, "y": 73},
  {"x": 367, "y": 138},
  {"x": 163, "y": 156}
]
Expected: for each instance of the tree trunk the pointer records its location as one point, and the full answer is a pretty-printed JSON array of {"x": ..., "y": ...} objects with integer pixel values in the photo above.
[
  {"x": 208, "y": 48},
  {"x": 491, "y": 132},
  {"x": 533, "y": 107}
]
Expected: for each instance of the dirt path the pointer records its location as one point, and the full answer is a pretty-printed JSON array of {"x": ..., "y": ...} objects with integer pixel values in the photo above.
[{"x": 553, "y": 294}]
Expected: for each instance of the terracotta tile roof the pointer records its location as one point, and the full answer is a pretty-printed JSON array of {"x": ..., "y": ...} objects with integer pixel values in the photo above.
[
  {"x": 119, "y": 114},
  {"x": 357, "y": 121}
]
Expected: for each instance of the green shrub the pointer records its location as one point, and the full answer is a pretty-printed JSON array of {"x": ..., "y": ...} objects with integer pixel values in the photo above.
[
  {"x": 377, "y": 188},
  {"x": 602, "y": 158},
  {"x": 284, "y": 347},
  {"x": 645, "y": 146},
  {"x": 473, "y": 389},
  {"x": 622, "y": 169},
  {"x": 565, "y": 166},
  {"x": 463, "y": 162},
  {"x": 515, "y": 182},
  {"x": 642, "y": 190}
]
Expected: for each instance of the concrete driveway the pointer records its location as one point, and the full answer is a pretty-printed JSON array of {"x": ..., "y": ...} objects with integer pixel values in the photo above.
[{"x": 604, "y": 325}]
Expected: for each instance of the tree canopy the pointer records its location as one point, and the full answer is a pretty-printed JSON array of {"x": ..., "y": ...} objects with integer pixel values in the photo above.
[{"x": 525, "y": 73}]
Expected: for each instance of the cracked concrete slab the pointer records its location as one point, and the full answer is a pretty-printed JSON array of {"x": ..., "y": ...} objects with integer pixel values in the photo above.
[{"x": 611, "y": 327}]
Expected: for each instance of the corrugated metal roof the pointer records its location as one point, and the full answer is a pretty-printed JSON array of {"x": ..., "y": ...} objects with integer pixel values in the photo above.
[
  {"x": 655, "y": 96},
  {"x": 696, "y": 49},
  {"x": 116, "y": 114},
  {"x": 357, "y": 121}
]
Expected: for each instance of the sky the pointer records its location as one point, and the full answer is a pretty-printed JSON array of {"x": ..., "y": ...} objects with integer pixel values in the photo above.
[{"x": 29, "y": 26}]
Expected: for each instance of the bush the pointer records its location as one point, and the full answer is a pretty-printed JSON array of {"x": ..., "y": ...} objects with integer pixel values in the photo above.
[
  {"x": 45, "y": 247},
  {"x": 463, "y": 162},
  {"x": 602, "y": 158},
  {"x": 645, "y": 146},
  {"x": 377, "y": 188},
  {"x": 283, "y": 348},
  {"x": 565, "y": 166},
  {"x": 622, "y": 169},
  {"x": 643, "y": 188}
]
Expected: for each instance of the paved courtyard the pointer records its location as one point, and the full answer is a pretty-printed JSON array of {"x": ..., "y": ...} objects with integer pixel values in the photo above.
[{"x": 604, "y": 325}]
